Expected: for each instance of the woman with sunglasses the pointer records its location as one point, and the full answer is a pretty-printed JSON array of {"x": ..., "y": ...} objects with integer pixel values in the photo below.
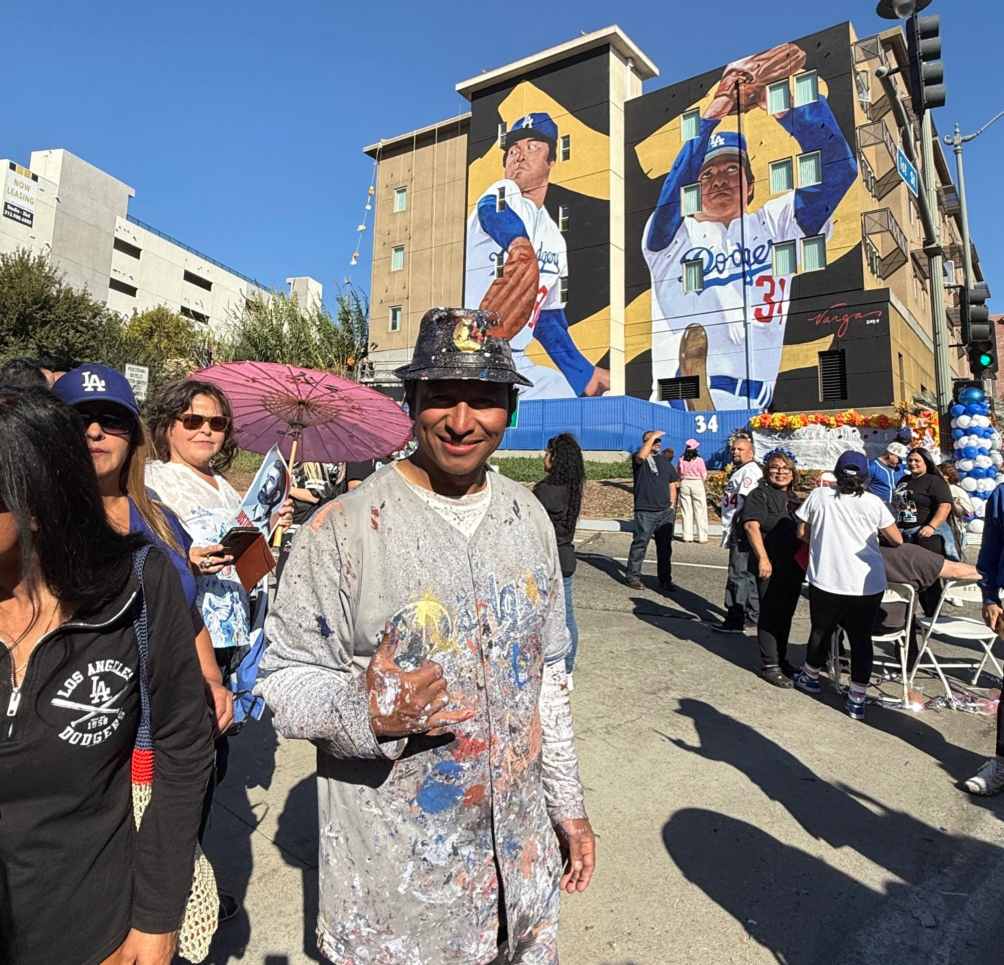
[
  {"x": 192, "y": 428},
  {"x": 769, "y": 523},
  {"x": 78, "y": 882},
  {"x": 119, "y": 446}
]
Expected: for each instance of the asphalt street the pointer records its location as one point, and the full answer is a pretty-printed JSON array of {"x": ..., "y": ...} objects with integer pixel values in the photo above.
[{"x": 737, "y": 823}]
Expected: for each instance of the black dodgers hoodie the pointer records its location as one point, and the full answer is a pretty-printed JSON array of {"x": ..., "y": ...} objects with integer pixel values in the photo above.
[{"x": 75, "y": 875}]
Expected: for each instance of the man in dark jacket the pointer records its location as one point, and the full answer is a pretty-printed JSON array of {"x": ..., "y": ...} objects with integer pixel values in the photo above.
[{"x": 656, "y": 487}]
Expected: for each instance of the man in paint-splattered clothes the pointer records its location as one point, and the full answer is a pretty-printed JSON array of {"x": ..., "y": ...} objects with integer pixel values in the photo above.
[{"x": 418, "y": 640}]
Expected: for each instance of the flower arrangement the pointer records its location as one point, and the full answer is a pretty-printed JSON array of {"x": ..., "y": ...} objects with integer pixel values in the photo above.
[{"x": 919, "y": 420}]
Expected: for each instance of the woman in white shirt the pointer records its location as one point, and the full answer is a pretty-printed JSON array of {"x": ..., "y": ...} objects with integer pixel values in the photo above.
[
  {"x": 846, "y": 573},
  {"x": 192, "y": 428}
]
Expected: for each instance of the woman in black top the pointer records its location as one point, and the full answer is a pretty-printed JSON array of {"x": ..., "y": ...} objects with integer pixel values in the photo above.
[
  {"x": 560, "y": 492},
  {"x": 768, "y": 521},
  {"x": 923, "y": 502},
  {"x": 78, "y": 882}
]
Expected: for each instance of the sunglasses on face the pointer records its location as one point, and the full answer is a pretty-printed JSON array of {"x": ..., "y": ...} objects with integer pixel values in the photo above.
[
  {"x": 113, "y": 421},
  {"x": 193, "y": 422}
]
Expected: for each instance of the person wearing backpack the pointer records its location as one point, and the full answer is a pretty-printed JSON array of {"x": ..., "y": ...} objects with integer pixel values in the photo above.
[{"x": 78, "y": 600}]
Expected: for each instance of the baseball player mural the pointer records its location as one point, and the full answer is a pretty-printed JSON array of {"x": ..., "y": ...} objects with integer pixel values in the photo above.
[
  {"x": 516, "y": 258},
  {"x": 699, "y": 319}
]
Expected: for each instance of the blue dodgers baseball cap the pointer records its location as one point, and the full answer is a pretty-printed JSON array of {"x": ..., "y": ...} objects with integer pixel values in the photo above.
[
  {"x": 96, "y": 383},
  {"x": 536, "y": 125},
  {"x": 852, "y": 464},
  {"x": 725, "y": 143}
]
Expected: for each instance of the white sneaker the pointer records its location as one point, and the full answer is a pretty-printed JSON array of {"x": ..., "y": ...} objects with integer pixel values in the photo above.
[{"x": 989, "y": 779}]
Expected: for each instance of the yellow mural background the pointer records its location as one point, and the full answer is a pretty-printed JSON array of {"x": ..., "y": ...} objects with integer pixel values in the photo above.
[
  {"x": 766, "y": 141},
  {"x": 586, "y": 172}
]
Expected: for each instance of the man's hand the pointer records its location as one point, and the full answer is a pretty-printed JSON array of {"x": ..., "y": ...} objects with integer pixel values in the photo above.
[
  {"x": 754, "y": 74},
  {"x": 764, "y": 569},
  {"x": 286, "y": 514},
  {"x": 599, "y": 383},
  {"x": 926, "y": 531},
  {"x": 404, "y": 702},
  {"x": 578, "y": 848},
  {"x": 992, "y": 613},
  {"x": 222, "y": 702},
  {"x": 142, "y": 948}
]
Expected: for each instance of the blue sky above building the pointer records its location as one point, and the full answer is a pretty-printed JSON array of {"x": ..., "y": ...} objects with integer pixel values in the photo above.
[{"x": 241, "y": 125}]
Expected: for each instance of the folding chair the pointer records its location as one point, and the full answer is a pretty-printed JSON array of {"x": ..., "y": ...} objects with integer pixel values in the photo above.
[
  {"x": 957, "y": 628},
  {"x": 901, "y": 594}
]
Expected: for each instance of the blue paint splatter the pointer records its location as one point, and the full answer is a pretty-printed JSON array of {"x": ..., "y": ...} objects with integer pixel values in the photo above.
[
  {"x": 520, "y": 666},
  {"x": 436, "y": 796},
  {"x": 322, "y": 626}
]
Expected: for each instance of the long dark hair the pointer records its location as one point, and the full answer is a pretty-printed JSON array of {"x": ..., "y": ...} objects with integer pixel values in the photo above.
[
  {"x": 926, "y": 456},
  {"x": 171, "y": 401},
  {"x": 47, "y": 482},
  {"x": 567, "y": 469}
]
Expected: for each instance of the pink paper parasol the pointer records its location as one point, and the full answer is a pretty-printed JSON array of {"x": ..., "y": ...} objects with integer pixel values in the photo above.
[{"x": 312, "y": 415}]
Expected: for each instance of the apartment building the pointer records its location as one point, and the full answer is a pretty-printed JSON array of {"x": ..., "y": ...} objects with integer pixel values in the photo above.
[
  {"x": 78, "y": 215},
  {"x": 700, "y": 244}
]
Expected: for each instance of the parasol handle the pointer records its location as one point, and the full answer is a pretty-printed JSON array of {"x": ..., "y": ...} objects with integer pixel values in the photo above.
[{"x": 291, "y": 465}]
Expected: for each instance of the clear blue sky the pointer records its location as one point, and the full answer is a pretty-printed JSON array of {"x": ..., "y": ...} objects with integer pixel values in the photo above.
[{"x": 240, "y": 125}]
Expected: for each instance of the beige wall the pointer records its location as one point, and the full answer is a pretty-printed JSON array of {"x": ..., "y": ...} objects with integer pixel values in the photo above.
[{"x": 433, "y": 168}]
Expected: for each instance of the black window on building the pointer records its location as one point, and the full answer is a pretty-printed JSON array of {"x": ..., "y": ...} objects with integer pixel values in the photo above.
[
  {"x": 120, "y": 244},
  {"x": 198, "y": 280},
  {"x": 832, "y": 376},
  {"x": 193, "y": 314},
  {"x": 120, "y": 286},
  {"x": 684, "y": 387}
]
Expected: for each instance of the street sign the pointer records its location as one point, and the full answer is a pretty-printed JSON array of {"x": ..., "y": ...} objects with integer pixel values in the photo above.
[
  {"x": 907, "y": 172},
  {"x": 138, "y": 376}
]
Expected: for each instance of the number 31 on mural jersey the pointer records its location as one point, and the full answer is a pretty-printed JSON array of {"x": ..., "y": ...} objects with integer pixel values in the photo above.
[{"x": 773, "y": 298}]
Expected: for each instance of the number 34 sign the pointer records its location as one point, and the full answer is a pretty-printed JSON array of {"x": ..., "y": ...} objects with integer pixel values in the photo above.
[{"x": 704, "y": 424}]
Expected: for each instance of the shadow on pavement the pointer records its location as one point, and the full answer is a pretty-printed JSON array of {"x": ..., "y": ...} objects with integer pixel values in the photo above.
[
  {"x": 795, "y": 904},
  {"x": 296, "y": 837}
]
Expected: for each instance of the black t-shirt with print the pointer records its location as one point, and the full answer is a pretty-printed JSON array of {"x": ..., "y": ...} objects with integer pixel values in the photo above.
[
  {"x": 774, "y": 509},
  {"x": 917, "y": 499},
  {"x": 652, "y": 479}
]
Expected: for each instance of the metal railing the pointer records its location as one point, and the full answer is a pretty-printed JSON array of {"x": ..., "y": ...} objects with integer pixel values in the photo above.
[{"x": 174, "y": 241}]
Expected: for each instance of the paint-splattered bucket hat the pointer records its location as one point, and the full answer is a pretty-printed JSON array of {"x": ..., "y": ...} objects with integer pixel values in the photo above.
[{"x": 461, "y": 343}]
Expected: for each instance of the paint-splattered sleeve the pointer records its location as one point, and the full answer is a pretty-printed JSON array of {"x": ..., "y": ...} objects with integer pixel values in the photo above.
[
  {"x": 562, "y": 784},
  {"x": 309, "y": 679}
]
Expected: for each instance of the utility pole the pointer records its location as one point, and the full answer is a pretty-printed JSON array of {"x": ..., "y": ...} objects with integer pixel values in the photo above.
[{"x": 955, "y": 141}]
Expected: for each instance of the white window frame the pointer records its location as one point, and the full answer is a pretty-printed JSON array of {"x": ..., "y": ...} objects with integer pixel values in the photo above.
[
  {"x": 393, "y": 255},
  {"x": 808, "y": 154},
  {"x": 500, "y": 201},
  {"x": 394, "y": 324},
  {"x": 822, "y": 267},
  {"x": 565, "y": 148},
  {"x": 700, "y": 265},
  {"x": 400, "y": 192},
  {"x": 564, "y": 217},
  {"x": 694, "y": 115},
  {"x": 791, "y": 175},
  {"x": 683, "y": 199},
  {"x": 502, "y": 132},
  {"x": 787, "y": 99},
  {"x": 563, "y": 288},
  {"x": 787, "y": 245},
  {"x": 794, "y": 97}
]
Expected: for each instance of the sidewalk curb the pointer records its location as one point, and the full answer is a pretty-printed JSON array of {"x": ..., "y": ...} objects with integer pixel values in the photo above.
[{"x": 627, "y": 526}]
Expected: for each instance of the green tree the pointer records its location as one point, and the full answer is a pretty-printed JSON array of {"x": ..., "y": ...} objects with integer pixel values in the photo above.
[
  {"x": 277, "y": 328},
  {"x": 39, "y": 313}
]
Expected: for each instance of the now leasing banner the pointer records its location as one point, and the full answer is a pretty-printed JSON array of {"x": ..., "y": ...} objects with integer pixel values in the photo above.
[{"x": 19, "y": 195}]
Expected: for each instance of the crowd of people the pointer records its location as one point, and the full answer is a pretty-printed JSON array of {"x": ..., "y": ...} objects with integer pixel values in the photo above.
[{"x": 422, "y": 635}]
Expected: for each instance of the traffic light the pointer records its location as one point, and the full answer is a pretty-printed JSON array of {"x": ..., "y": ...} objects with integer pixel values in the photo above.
[
  {"x": 983, "y": 360},
  {"x": 927, "y": 74},
  {"x": 974, "y": 316}
]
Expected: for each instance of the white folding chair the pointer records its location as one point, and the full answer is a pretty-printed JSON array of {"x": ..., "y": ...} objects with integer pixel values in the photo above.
[
  {"x": 956, "y": 628},
  {"x": 901, "y": 594}
]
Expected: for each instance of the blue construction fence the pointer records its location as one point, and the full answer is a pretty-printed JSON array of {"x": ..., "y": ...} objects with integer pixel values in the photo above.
[{"x": 616, "y": 423}]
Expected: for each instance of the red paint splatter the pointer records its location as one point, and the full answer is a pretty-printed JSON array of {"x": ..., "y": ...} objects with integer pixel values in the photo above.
[
  {"x": 474, "y": 796},
  {"x": 466, "y": 748},
  {"x": 375, "y": 517}
]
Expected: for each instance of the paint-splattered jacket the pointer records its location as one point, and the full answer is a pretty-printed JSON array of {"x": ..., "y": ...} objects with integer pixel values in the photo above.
[{"x": 411, "y": 830}]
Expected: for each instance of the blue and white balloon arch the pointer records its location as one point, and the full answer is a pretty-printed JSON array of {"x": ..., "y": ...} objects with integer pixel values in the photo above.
[{"x": 978, "y": 457}]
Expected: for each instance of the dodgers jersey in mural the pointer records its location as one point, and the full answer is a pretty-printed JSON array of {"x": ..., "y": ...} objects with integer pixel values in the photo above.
[
  {"x": 737, "y": 255},
  {"x": 501, "y": 215},
  {"x": 414, "y": 833}
]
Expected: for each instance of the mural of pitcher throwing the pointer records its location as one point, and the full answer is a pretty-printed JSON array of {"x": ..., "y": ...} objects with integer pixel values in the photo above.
[{"x": 698, "y": 325}]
